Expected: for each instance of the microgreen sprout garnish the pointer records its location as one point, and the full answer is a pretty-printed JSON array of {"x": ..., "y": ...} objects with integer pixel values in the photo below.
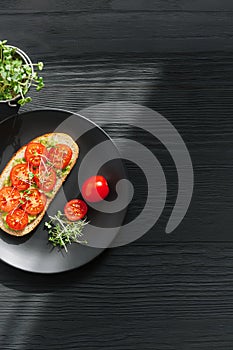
[
  {"x": 16, "y": 76},
  {"x": 62, "y": 232},
  {"x": 30, "y": 175}
]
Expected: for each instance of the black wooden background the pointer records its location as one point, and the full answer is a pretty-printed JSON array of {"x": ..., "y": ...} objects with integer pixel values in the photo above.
[{"x": 160, "y": 292}]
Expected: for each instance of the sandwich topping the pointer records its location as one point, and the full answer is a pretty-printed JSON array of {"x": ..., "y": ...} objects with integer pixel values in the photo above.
[{"x": 32, "y": 180}]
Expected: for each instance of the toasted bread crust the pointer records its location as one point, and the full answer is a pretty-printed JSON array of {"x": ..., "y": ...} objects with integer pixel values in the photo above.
[{"x": 60, "y": 138}]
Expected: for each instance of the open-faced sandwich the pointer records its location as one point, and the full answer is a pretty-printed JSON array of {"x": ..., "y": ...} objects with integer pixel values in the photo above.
[{"x": 31, "y": 179}]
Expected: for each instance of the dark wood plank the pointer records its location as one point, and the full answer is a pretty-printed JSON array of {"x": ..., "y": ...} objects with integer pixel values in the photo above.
[
  {"x": 152, "y": 296},
  {"x": 171, "y": 5},
  {"x": 118, "y": 32},
  {"x": 54, "y": 6}
]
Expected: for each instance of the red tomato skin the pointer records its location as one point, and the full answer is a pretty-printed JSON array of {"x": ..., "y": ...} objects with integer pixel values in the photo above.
[
  {"x": 35, "y": 160},
  {"x": 34, "y": 197},
  {"x": 17, "y": 219},
  {"x": 23, "y": 184},
  {"x": 5, "y": 204},
  {"x": 75, "y": 209},
  {"x": 95, "y": 189},
  {"x": 60, "y": 155},
  {"x": 45, "y": 179}
]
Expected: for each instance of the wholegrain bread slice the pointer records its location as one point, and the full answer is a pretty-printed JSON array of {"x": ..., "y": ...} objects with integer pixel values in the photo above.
[{"x": 58, "y": 138}]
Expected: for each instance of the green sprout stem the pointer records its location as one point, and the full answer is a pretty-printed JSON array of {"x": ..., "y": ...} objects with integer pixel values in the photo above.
[{"x": 61, "y": 231}]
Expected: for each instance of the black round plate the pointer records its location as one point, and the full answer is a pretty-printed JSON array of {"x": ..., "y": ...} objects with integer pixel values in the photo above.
[{"x": 33, "y": 252}]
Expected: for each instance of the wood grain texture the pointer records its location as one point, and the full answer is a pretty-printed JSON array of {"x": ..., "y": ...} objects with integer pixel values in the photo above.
[
  {"x": 171, "y": 5},
  {"x": 115, "y": 27},
  {"x": 161, "y": 292},
  {"x": 58, "y": 6},
  {"x": 150, "y": 296}
]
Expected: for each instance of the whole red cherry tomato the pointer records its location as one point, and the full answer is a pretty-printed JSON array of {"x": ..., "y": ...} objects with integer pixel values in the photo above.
[{"x": 95, "y": 189}]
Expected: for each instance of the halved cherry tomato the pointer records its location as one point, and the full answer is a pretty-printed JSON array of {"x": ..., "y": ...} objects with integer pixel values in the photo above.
[
  {"x": 19, "y": 176},
  {"x": 17, "y": 219},
  {"x": 75, "y": 209},
  {"x": 35, "y": 201},
  {"x": 95, "y": 189},
  {"x": 60, "y": 155},
  {"x": 9, "y": 198},
  {"x": 45, "y": 178},
  {"x": 35, "y": 151}
]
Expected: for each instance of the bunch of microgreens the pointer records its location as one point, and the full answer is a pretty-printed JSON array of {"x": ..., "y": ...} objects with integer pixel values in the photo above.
[
  {"x": 63, "y": 232},
  {"x": 16, "y": 76}
]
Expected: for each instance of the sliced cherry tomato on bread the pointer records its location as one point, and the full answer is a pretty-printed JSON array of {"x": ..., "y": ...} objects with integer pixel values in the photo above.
[
  {"x": 34, "y": 201},
  {"x": 95, "y": 189},
  {"x": 20, "y": 177},
  {"x": 75, "y": 209},
  {"x": 36, "y": 153},
  {"x": 17, "y": 219},
  {"x": 45, "y": 178},
  {"x": 60, "y": 155},
  {"x": 9, "y": 198}
]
